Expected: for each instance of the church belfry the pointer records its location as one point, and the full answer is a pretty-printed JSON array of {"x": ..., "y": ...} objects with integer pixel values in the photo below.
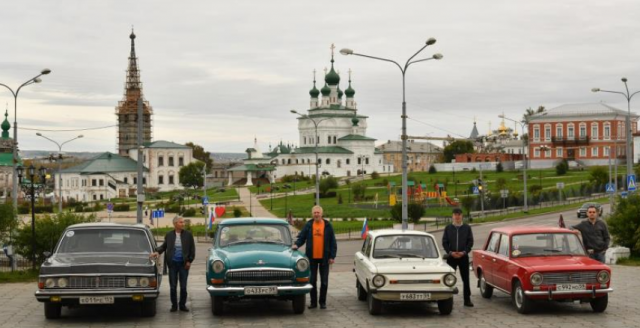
[{"x": 127, "y": 110}]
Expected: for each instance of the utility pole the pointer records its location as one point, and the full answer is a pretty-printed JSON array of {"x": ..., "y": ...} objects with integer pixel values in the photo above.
[
  {"x": 204, "y": 195},
  {"x": 140, "y": 186},
  {"x": 481, "y": 191}
]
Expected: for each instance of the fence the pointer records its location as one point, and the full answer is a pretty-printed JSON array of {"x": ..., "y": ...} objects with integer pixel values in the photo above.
[{"x": 19, "y": 263}]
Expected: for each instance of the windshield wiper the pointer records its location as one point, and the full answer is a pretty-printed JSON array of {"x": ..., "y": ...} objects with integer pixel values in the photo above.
[
  {"x": 552, "y": 250},
  {"x": 410, "y": 255},
  {"x": 387, "y": 256}
]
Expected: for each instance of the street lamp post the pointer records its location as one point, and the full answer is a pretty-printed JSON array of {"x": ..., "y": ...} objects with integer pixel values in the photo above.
[
  {"x": 628, "y": 129},
  {"x": 315, "y": 124},
  {"x": 403, "y": 70},
  {"x": 524, "y": 160},
  {"x": 361, "y": 158},
  {"x": 32, "y": 80},
  {"x": 31, "y": 173},
  {"x": 59, "y": 165}
]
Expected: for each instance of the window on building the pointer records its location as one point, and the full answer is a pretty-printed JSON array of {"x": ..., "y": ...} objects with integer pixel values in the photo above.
[
  {"x": 101, "y": 182},
  {"x": 594, "y": 152},
  {"x": 94, "y": 182},
  {"x": 607, "y": 131},
  {"x": 160, "y": 160},
  {"x": 144, "y": 180},
  {"x": 170, "y": 160},
  {"x": 583, "y": 130},
  {"x": 288, "y": 160},
  {"x": 606, "y": 151},
  {"x": 318, "y": 140},
  {"x": 304, "y": 140},
  {"x": 334, "y": 140},
  {"x": 319, "y": 160},
  {"x": 359, "y": 160},
  {"x": 125, "y": 180},
  {"x": 135, "y": 180},
  {"x": 160, "y": 179},
  {"x": 547, "y": 132},
  {"x": 559, "y": 153},
  {"x": 101, "y": 197},
  {"x": 348, "y": 161},
  {"x": 536, "y": 152},
  {"x": 547, "y": 153},
  {"x": 180, "y": 161},
  {"x": 536, "y": 133},
  {"x": 621, "y": 131},
  {"x": 594, "y": 131},
  {"x": 583, "y": 152},
  {"x": 559, "y": 131},
  {"x": 171, "y": 180},
  {"x": 95, "y": 197},
  {"x": 570, "y": 131},
  {"x": 328, "y": 161},
  {"x": 366, "y": 161},
  {"x": 329, "y": 139}
]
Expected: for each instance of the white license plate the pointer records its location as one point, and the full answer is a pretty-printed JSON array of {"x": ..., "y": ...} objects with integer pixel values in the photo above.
[
  {"x": 96, "y": 300},
  {"x": 570, "y": 287},
  {"x": 271, "y": 290},
  {"x": 415, "y": 296}
]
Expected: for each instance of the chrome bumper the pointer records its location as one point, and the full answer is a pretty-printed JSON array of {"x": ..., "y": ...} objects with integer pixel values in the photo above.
[
  {"x": 240, "y": 290},
  {"x": 44, "y": 294},
  {"x": 552, "y": 293}
]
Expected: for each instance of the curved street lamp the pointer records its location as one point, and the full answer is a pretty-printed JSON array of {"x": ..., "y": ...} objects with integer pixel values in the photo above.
[
  {"x": 627, "y": 95},
  {"x": 59, "y": 166},
  {"x": 403, "y": 70},
  {"x": 32, "y": 80}
]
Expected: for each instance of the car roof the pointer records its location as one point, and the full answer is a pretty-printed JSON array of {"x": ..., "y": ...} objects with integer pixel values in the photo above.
[
  {"x": 517, "y": 230},
  {"x": 107, "y": 225},
  {"x": 238, "y": 221},
  {"x": 395, "y": 232}
]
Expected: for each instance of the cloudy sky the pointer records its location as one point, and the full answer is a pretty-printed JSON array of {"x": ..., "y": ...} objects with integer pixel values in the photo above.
[{"x": 219, "y": 73}]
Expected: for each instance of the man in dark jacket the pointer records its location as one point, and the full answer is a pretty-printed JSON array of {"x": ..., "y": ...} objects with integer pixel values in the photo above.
[
  {"x": 595, "y": 234},
  {"x": 321, "y": 250},
  {"x": 180, "y": 250},
  {"x": 457, "y": 241}
]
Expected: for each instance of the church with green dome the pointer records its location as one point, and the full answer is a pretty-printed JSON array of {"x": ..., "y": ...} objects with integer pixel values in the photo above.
[{"x": 6, "y": 159}]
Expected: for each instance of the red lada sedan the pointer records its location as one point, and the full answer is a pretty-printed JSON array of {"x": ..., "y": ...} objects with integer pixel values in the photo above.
[{"x": 540, "y": 263}]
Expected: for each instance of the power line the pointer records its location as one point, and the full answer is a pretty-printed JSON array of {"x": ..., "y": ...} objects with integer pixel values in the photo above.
[
  {"x": 70, "y": 130},
  {"x": 435, "y": 127}
]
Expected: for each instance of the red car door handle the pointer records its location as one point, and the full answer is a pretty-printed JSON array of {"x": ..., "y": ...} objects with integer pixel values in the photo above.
[
  {"x": 493, "y": 260},
  {"x": 482, "y": 256}
]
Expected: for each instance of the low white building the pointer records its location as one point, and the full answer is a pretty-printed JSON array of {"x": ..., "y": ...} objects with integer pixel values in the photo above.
[{"x": 164, "y": 160}]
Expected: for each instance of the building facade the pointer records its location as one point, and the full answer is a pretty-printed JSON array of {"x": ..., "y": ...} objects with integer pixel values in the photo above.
[
  {"x": 164, "y": 160},
  {"x": 6, "y": 159},
  {"x": 588, "y": 134},
  {"x": 420, "y": 155}
]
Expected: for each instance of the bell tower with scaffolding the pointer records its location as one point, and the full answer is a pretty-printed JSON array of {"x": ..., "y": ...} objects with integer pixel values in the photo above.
[{"x": 127, "y": 110}]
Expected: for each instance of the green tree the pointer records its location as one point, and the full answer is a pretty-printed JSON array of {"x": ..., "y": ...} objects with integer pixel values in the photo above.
[
  {"x": 598, "y": 175},
  {"x": 414, "y": 212},
  {"x": 200, "y": 154},
  {"x": 358, "y": 190},
  {"x": 501, "y": 183},
  {"x": 328, "y": 184},
  {"x": 499, "y": 167},
  {"x": 457, "y": 147},
  {"x": 432, "y": 169},
  {"x": 191, "y": 175},
  {"x": 7, "y": 219},
  {"x": 624, "y": 223},
  {"x": 525, "y": 119},
  {"x": 467, "y": 204},
  {"x": 562, "y": 167}
]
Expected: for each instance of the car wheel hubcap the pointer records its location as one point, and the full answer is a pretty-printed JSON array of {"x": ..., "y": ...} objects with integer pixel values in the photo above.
[
  {"x": 519, "y": 297},
  {"x": 483, "y": 284}
]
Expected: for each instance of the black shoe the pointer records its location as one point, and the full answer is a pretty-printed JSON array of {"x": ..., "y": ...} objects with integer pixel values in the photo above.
[
  {"x": 323, "y": 306},
  {"x": 468, "y": 303},
  {"x": 312, "y": 306},
  {"x": 174, "y": 309},
  {"x": 184, "y": 309}
]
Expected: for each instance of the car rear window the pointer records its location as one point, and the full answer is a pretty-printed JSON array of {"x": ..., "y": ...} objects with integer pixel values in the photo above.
[{"x": 105, "y": 241}]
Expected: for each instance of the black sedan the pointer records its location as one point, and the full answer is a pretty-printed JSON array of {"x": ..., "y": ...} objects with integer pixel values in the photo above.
[
  {"x": 582, "y": 211},
  {"x": 100, "y": 263}
]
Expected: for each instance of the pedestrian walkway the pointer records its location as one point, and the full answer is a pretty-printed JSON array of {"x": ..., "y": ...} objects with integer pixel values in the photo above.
[{"x": 251, "y": 203}]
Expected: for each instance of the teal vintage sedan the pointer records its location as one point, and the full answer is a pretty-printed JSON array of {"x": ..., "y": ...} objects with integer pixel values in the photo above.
[{"x": 252, "y": 258}]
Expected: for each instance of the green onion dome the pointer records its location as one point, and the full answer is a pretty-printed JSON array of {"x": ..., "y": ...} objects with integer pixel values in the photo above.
[
  {"x": 314, "y": 92},
  {"x": 325, "y": 90},
  {"x": 5, "y": 126},
  {"x": 332, "y": 78},
  {"x": 340, "y": 93},
  {"x": 355, "y": 121},
  {"x": 350, "y": 92}
]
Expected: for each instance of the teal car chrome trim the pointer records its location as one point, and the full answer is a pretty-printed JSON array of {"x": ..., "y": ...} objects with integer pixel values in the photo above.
[{"x": 305, "y": 288}]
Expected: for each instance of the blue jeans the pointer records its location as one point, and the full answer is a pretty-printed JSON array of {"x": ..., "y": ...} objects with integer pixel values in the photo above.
[
  {"x": 598, "y": 256},
  {"x": 324, "y": 281},
  {"x": 178, "y": 271}
]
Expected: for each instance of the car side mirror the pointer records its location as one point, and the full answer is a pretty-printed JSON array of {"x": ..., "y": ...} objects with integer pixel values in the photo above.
[{"x": 46, "y": 254}]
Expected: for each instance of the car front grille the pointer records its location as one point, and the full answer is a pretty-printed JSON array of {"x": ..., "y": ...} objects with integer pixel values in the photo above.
[
  {"x": 260, "y": 276},
  {"x": 570, "y": 278},
  {"x": 82, "y": 282}
]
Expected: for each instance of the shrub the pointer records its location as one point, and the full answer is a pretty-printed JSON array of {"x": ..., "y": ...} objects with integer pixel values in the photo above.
[
  {"x": 237, "y": 212},
  {"x": 467, "y": 204},
  {"x": 432, "y": 169},
  {"x": 473, "y": 170},
  {"x": 340, "y": 199},
  {"x": 358, "y": 190},
  {"x": 375, "y": 175},
  {"x": 414, "y": 212},
  {"x": 499, "y": 167},
  {"x": 624, "y": 223},
  {"x": 43, "y": 209},
  {"x": 190, "y": 212},
  {"x": 535, "y": 188},
  {"x": 598, "y": 175},
  {"x": 327, "y": 184},
  {"x": 562, "y": 167},
  {"x": 501, "y": 183},
  {"x": 121, "y": 207},
  {"x": 173, "y": 208},
  {"x": 24, "y": 208},
  {"x": 329, "y": 194}
]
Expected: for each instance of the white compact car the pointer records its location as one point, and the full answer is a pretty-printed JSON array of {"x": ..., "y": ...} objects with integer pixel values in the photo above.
[{"x": 403, "y": 266}]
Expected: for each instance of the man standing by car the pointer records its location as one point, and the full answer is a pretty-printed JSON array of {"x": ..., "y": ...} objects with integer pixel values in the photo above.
[
  {"x": 595, "y": 234},
  {"x": 180, "y": 251},
  {"x": 457, "y": 241},
  {"x": 321, "y": 250}
]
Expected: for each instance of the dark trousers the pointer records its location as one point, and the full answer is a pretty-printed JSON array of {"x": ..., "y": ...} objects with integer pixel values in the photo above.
[
  {"x": 177, "y": 272},
  {"x": 598, "y": 256},
  {"x": 324, "y": 281},
  {"x": 463, "y": 265}
]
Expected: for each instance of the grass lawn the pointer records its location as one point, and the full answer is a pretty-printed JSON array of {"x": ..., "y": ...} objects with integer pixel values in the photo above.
[
  {"x": 634, "y": 260},
  {"x": 18, "y": 276}
]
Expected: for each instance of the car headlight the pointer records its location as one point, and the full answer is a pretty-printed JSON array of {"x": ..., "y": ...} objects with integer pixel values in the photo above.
[
  {"x": 450, "y": 279},
  {"x": 217, "y": 266},
  {"x": 50, "y": 283},
  {"x": 144, "y": 282},
  {"x": 302, "y": 265},
  {"x": 378, "y": 280},
  {"x": 536, "y": 279},
  {"x": 132, "y": 282},
  {"x": 603, "y": 277},
  {"x": 63, "y": 282}
]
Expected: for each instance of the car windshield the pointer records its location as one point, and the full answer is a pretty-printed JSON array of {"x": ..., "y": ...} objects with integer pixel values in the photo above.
[
  {"x": 404, "y": 246},
  {"x": 254, "y": 233},
  {"x": 105, "y": 241},
  {"x": 546, "y": 244},
  {"x": 587, "y": 205}
]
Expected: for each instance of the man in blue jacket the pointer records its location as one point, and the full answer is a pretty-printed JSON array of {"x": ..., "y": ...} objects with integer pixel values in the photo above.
[
  {"x": 457, "y": 241},
  {"x": 321, "y": 250}
]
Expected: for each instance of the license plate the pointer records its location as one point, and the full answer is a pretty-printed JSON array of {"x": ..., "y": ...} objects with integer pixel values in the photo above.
[
  {"x": 271, "y": 290},
  {"x": 570, "y": 287},
  {"x": 96, "y": 300},
  {"x": 415, "y": 296}
]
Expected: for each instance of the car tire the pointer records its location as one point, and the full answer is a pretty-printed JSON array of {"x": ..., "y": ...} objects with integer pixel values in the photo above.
[
  {"x": 299, "y": 303},
  {"x": 485, "y": 289},
  {"x": 52, "y": 310},
  {"x": 148, "y": 308},
  {"x": 445, "y": 306},
  {"x": 217, "y": 305},
  {"x": 520, "y": 300},
  {"x": 599, "y": 304},
  {"x": 360, "y": 291},
  {"x": 374, "y": 304}
]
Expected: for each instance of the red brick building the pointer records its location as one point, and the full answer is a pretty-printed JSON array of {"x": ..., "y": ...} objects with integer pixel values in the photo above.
[{"x": 585, "y": 133}]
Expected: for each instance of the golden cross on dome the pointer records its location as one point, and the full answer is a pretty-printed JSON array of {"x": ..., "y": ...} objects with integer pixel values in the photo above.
[
  {"x": 349, "y": 74},
  {"x": 314, "y": 75},
  {"x": 332, "y": 47}
]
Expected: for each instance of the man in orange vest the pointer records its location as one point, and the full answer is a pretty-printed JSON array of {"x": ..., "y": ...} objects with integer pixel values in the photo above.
[{"x": 321, "y": 250}]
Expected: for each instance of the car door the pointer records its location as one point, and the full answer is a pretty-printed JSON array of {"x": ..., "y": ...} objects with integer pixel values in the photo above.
[
  {"x": 487, "y": 257},
  {"x": 501, "y": 264},
  {"x": 361, "y": 261}
]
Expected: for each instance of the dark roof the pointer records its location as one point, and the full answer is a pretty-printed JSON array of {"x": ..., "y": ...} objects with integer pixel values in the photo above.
[
  {"x": 164, "y": 144},
  {"x": 323, "y": 150},
  {"x": 356, "y": 137}
]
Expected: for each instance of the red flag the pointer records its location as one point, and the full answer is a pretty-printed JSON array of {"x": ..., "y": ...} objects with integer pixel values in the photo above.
[{"x": 561, "y": 222}]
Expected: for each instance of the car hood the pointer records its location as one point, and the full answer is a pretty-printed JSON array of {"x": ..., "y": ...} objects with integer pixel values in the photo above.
[
  {"x": 560, "y": 263},
  {"x": 412, "y": 265},
  {"x": 258, "y": 255},
  {"x": 98, "y": 263}
]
